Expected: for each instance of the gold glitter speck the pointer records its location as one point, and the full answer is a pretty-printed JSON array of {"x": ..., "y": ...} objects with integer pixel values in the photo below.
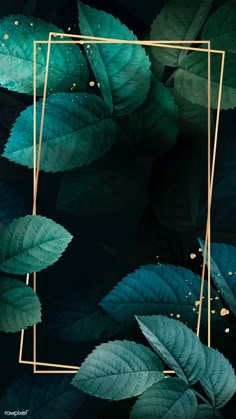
[
  {"x": 6, "y": 36},
  {"x": 227, "y": 330},
  {"x": 224, "y": 312}
]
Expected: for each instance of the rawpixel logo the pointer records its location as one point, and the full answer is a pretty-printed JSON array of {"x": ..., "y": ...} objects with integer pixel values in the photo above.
[{"x": 16, "y": 412}]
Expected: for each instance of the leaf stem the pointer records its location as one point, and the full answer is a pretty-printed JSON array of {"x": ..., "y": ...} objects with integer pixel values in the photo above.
[{"x": 201, "y": 397}]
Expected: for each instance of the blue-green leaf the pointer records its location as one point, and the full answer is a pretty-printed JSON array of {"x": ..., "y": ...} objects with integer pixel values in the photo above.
[
  {"x": 218, "y": 380},
  {"x": 169, "y": 398},
  {"x": 178, "y": 20},
  {"x": 157, "y": 289},
  {"x": 67, "y": 69},
  {"x": 118, "y": 370},
  {"x": 12, "y": 204},
  {"x": 122, "y": 70},
  {"x": 176, "y": 344},
  {"x": 155, "y": 123},
  {"x": 47, "y": 396},
  {"x": 223, "y": 268},
  {"x": 191, "y": 79},
  {"x": 205, "y": 411},
  {"x": 225, "y": 19},
  {"x": 19, "y": 305},
  {"x": 31, "y": 243},
  {"x": 81, "y": 323},
  {"x": 77, "y": 130},
  {"x": 108, "y": 185}
]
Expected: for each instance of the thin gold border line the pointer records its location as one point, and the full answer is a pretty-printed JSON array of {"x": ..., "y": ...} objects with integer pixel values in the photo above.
[
  {"x": 209, "y": 200},
  {"x": 148, "y": 43},
  {"x": 211, "y": 186}
]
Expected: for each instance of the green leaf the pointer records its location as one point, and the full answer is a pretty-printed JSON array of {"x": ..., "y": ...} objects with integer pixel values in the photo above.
[
  {"x": 77, "y": 130},
  {"x": 223, "y": 266},
  {"x": 218, "y": 380},
  {"x": 67, "y": 63},
  {"x": 108, "y": 185},
  {"x": 81, "y": 323},
  {"x": 157, "y": 289},
  {"x": 19, "y": 305},
  {"x": 155, "y": 123},
  {"x": 193, "y": 119},
  {"x": 169, "y": 398},
  {"x": 178, "y": 20},
  {"x": 118, "y": 370},
  {"x": 31, "y": 243},
  {"x": 225, "y": 19},
  {"x": 122, "y": 70},
  {"x": 205, "y": 411},
  {"x": 190, "y": 79},
  {"x": 176, "y": 344},
  {"x": 47, "y": 396}
]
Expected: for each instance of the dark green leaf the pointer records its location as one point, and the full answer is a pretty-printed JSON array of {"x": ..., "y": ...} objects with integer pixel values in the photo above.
[
  {"x": 205, "y": 411},
  {"x": 169, "y": 398},
  {"x": 157, "y": 289},
  {"x": 220, "y": 28},
  {"x": 176, "y": 344},
  {"x": 122, "y": 70},
  {"x": 155, "y": 123},
  {"x": 218, "y": 380},
  {"x": 81, "y": 323},
  {"x": 191, "y": 79},
  {"x": 45, "y": 396},
  {"x": 108, "y": 185},
  {"x": 19, "y": 305},
  {"x": 118, "y": 370},
  {"x": 67, "y": 64},
  {"x": 178, "y": 20},
  {"x": 223, "y": 267},
  {"x": 77, "y": 130},
  {"x": 31, "y": 243}
]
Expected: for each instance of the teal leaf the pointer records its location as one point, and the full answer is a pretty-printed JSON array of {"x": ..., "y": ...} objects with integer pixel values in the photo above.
[
  {"x": 225, "y": 19},
  {"x": 109, "y": 185},
  {"x": 122, "y": 70},
  {"x": 155, "y": 123},
  {"x": 67, "y": 63},
  {"x": 12, "y": 204},
  {"x": 81, "y": 323},
  {"x": 178, "y": 20},
  {"x": 19, "y": 305},
  {"x": 169, "y": 398},
  {"x": 77, "y": 130},
  {"x": 193, "y": 119},
  {"x": 118, "y": 370},
  {"x": 30, "y": 244},
  {"x": 205, "y": 411},
  {"x": 157, "y": 289},
  {"x": 223, "y": 267},
  {"x": 47, "y": 396},
  {"x": 176, "y": 344},
  {"x": 190, "y": 79},
  {"x": 218, "y": 380}
]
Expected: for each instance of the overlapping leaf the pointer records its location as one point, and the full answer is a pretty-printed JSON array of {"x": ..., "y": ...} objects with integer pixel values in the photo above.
[
  {"x": 19, "y": 305},
  {"x": 78, "y": 129},
  {"x": 122, "y": 70},
  {"x": 67, "y": 64},
  {"x": 118, "y": 370},
  {"x": 31, "y": 243},
  {"x": 168, "y": 398},
  {"x": 176, "y": 344}
]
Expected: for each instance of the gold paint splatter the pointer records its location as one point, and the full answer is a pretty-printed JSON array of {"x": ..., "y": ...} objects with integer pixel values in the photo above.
[
  {"x": 213, "y": 311},
  {"x": 230, "y": 273},
  {"x": 16, "y": 22},
  {"x": 224, "y": 312},
  {"x": 193, "y": 256},
  {"x": 6, "y": 36},
  {"x": 92, "y": 83},
  {"x": 178, "y": 316},
  {"x": 227, "y": 330},
  {"x": 197, "y": 303},
  {"x": 3, "y": 45}
]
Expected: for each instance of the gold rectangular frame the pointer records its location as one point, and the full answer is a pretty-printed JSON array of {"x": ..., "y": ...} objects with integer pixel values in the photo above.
[{"x": 211, "y": 167}]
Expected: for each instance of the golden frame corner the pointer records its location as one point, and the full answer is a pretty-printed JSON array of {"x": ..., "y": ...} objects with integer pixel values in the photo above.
[{"x": 53, "y": 368}]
